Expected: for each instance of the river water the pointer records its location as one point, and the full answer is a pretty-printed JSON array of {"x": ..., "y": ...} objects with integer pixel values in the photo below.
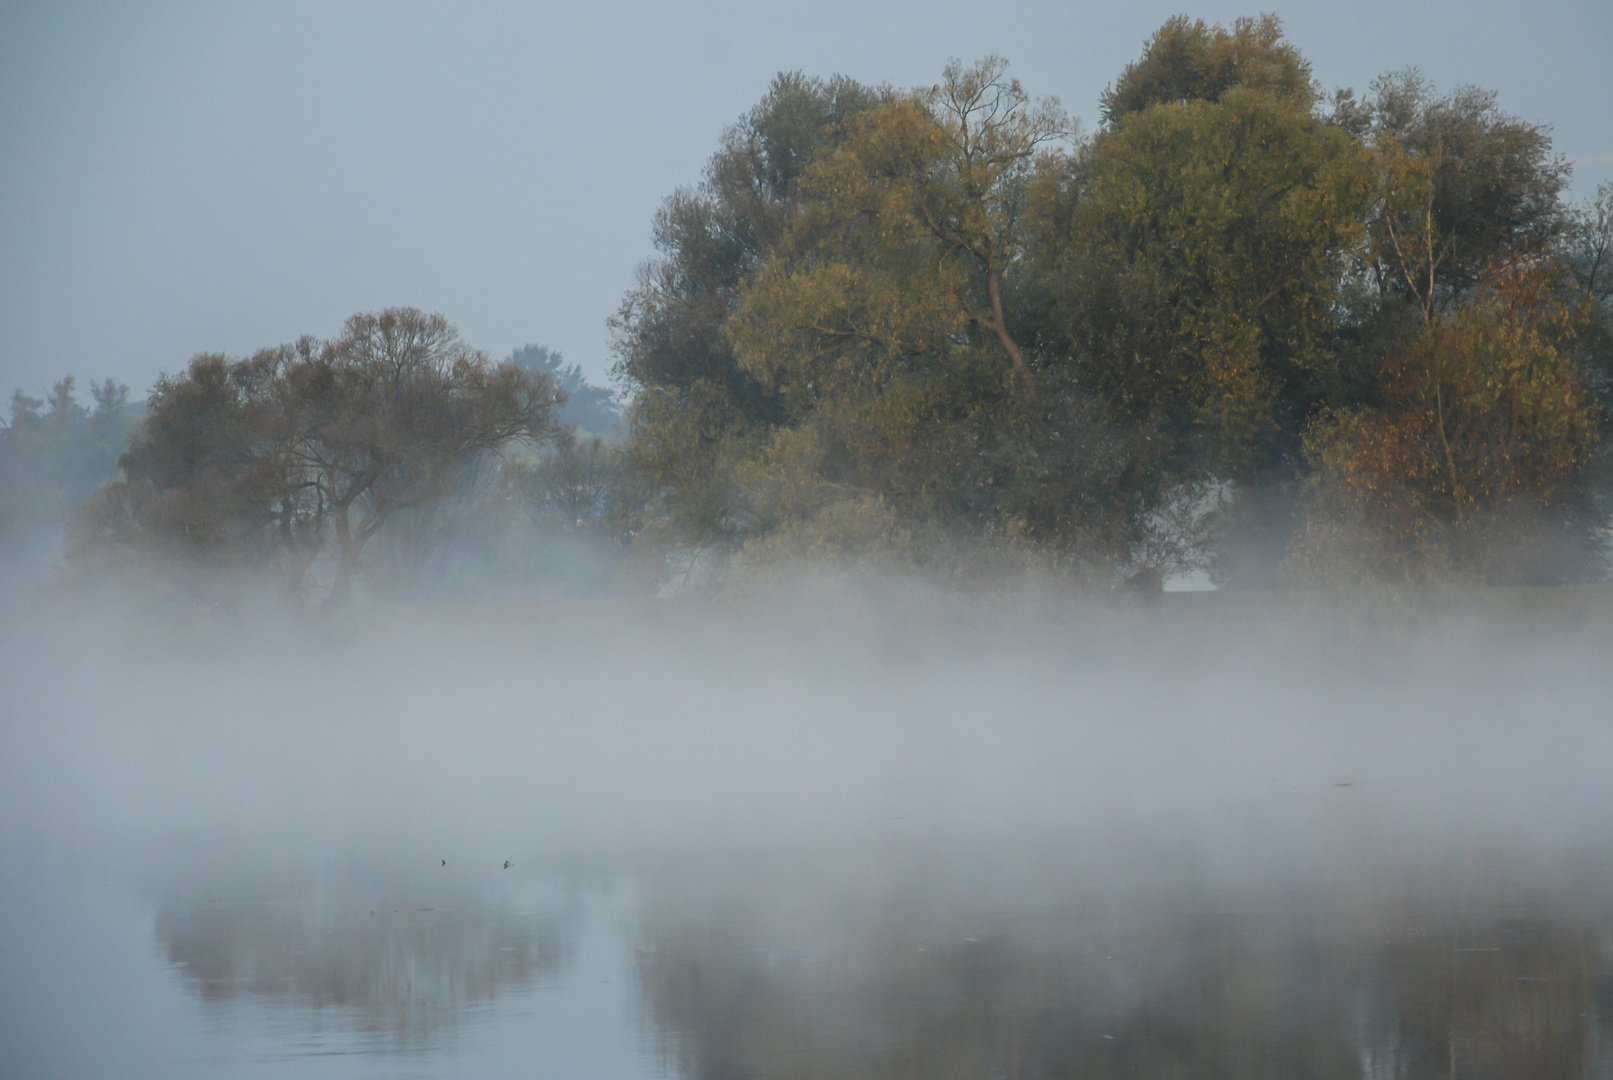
[{"x": 759, "y": 853}]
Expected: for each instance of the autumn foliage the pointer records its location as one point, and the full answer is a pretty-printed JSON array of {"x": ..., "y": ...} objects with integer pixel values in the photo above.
[
  {"x": 1470, "y": 464},
  {"x": 1352, "y": 335}
]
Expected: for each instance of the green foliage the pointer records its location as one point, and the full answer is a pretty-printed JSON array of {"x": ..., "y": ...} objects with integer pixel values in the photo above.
[
  {"x": 881, "y": 328},
  {"x": 1189, "y": 61},
  {"x": 1462, "y": 450},
  {"x": 1188, "y": 267},
  {"x": 1461, "y": 184},
  {"x": 1185, "y": 270},
  {"x": 696, "y": 411},
  {"x": 1471, "y": 466},
  {"x": 897, "y": 255}
]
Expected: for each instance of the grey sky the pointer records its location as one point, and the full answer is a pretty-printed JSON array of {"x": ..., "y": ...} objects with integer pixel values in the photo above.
[{"x": 187, "y": 177}]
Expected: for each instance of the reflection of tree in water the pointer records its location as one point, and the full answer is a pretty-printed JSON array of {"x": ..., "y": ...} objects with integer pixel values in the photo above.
[
  {"x": 795, "y": 980},
  {"x": 391, "y": 958}
]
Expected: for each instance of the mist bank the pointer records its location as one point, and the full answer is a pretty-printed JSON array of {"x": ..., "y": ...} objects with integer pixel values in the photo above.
[{"x": 1237, "y": 725}]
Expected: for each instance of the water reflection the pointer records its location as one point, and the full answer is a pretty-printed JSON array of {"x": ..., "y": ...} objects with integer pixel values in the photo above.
[
  {"x": 1022, "y": 962},
  {"x": 777, "y": 974},
  {"x": 371, "y": 952}
]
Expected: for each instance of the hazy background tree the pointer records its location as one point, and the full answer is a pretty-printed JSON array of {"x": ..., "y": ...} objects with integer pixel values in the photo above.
[
  {"x": 587, "y": 408},
  {"x": 561, "y": 516},
  {"x": 55, "y": 453}
]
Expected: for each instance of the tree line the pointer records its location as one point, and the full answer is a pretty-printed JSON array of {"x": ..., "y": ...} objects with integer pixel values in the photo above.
[{"x": 1244, "y": 327}]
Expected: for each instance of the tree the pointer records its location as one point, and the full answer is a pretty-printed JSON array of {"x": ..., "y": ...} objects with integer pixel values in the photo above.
[
  {"x": 580, "y": 485},
  {"x": 1460, "y": 184},
  {"x": 1590, "y": 247},
  {"x": 1183, "y": 272},
  {"x": 883, "y": 323},
  {"x": 52, "y": 459},
  {"x": 1189, "y": 256},
  {"x": 266, "y": 459},
  {"x": 1187, "y": 61},
  {"x": 209, "y": 470},
  {"x": 1471, "y": 467},
  {"x": 1463, "y": 450},
  {"x": 892, "y": 320},
  {"x": 903, "y": 237},
  {"x": 1587, "y": 252},
  {"x": 390, "y": 408},
  {"x": 587, "y": 408},
  {"x": 695, "y": 413}
]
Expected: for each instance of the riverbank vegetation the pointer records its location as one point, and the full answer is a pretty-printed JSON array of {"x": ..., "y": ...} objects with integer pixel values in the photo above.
[{"x": 1244, "y": 327}]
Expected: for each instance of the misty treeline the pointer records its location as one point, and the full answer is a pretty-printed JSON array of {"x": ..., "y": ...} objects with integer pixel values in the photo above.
[
  {"x": 393, "y": 453},
  {"x": 54, "y": 454},
  {"x": 1243, "y": 327}
]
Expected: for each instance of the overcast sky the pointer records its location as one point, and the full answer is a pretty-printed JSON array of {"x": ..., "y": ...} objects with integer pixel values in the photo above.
[{"x": 186, "y": 177}]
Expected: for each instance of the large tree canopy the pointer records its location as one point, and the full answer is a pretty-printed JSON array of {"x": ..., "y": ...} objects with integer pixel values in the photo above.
[
  {"x": 1461, "y": 184},
  {"x": 891, "y": 316},
  {"x": 887, "y": 323}
]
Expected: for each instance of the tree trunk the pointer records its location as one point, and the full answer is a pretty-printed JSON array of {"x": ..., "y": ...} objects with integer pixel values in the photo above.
[
  {"x": 349, "y": 546},
  {"x": 999, "y": 324}
]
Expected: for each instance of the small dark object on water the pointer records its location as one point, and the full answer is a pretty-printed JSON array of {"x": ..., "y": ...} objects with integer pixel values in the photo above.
[
  {"x": 445, "y": 862},
  {"x": 508, "y": 864}
]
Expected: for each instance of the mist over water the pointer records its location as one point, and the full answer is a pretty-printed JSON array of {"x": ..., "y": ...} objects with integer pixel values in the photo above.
[{"x": 821, "y": 831}]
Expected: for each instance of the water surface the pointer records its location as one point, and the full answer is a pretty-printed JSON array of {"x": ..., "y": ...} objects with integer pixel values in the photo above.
[{"x": 834, "y": 844}]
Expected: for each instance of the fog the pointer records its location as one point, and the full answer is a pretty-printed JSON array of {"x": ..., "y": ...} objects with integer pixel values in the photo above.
[
  {"x": 569, "y": 726},
  {"x": 777, "y": 785}
]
